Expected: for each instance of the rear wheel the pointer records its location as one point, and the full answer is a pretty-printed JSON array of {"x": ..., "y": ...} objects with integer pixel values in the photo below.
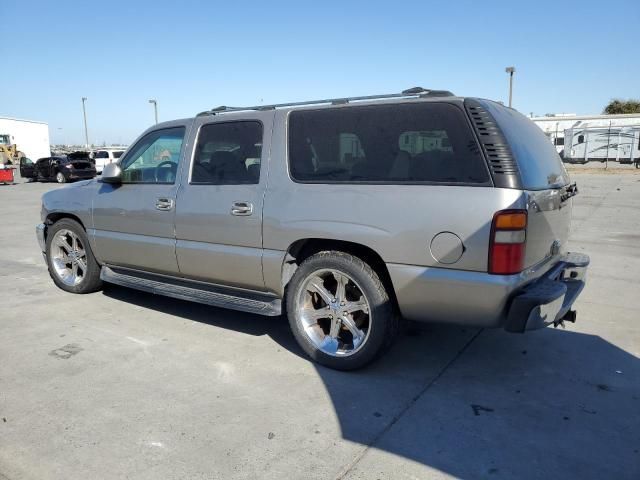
[
  {"x": 60, "y": 178},
  {"x": 71, "y": 263},
  {"x": 339, "y": 311}
]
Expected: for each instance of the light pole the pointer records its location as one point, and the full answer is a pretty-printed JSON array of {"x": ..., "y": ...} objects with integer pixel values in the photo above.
[
  {"x": 510, "y": 71},
  {"x": 86, "y": 132},
  {"x": 155, "y": 108}
]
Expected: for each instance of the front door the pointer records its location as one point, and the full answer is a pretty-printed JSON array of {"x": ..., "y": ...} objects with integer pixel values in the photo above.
[
  {"x": 27, "y": 168},
  {"x": 134, "y": 221},
  {"x": 219, "y": 206}
]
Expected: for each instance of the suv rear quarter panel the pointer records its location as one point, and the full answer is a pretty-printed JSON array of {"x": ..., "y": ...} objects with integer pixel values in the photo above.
[{"x": 396, "y": 221}]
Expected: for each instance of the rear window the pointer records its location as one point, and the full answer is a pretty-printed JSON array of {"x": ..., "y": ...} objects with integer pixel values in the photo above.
[
  {"x": 407, "y": 143},
  {"x": 117, "y": 154},
  {"x": 538, "y": 160}
]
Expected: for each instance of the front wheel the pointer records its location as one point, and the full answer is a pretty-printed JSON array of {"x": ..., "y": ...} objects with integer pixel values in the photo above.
[
  {"x": 71, "y": 263},
  {"x": 60, "y": 178},
  {"x": 339, "y": 311}
]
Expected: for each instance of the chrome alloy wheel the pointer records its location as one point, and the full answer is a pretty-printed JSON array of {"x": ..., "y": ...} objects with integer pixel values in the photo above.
[
  {"x": 334, "y": 312},
  {"x": 68, "y": 257}
]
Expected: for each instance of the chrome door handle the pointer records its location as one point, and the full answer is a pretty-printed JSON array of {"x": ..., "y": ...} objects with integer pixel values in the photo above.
[
  {"x": 164, "y": 204},
  {"x": 242, "y": 208}
]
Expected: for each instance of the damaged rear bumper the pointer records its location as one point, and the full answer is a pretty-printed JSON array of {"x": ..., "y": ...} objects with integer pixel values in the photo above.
[{"x": 548, "y": 299}]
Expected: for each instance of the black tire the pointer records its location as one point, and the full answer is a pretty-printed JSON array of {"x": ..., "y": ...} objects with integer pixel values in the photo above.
[
  {"x": 384, "y": 320},
  {"x": 91, "y": 280},
  {"x": 60, "y": 178}
]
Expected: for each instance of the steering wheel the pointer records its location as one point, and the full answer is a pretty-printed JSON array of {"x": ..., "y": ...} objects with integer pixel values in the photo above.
[{"x": 167, "y": 163}]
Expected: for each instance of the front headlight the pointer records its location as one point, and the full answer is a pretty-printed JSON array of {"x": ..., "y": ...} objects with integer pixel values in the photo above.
[{"x": 68, "y": 165}]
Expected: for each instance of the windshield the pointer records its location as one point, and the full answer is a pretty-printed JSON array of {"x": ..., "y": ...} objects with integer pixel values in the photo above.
[{"x": 4, "y": 140}]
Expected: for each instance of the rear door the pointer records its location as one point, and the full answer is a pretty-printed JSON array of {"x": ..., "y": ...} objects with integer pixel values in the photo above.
[
  {"x": 544, "y": 180},
  {"x": 134, "y": 221},
  {"x": 43, "y": 168},
  {"x": 219, "y": 208}
]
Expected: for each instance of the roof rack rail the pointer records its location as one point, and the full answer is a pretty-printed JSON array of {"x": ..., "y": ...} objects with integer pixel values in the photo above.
[{"x": 411, "y": 92}]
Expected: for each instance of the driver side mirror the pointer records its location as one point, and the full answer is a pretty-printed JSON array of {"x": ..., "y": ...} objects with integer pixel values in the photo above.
[{"x": 112, "y": 173}]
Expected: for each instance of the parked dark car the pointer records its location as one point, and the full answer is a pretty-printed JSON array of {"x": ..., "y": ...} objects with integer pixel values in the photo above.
[{"x": 61, "y": 168}]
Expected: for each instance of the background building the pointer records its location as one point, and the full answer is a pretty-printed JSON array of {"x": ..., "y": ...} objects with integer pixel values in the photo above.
[{"x": 30, "y": 136}]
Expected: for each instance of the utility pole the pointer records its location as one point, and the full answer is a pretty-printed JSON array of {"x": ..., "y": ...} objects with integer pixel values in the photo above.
[
  {"x": 86, "y": 132},
  {"x": 155, "y": 108},
  {"x": 510, "y": 71}
]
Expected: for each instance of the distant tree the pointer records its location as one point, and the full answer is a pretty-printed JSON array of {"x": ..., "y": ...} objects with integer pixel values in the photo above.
[{"x": 617, "y": 106}]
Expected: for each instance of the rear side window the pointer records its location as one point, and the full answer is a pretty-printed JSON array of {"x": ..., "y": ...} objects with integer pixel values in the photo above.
[
  {"x": 407, "y": 143},
  {"x": 228, "y": 154},
  {"x": 538, "y": 160}
]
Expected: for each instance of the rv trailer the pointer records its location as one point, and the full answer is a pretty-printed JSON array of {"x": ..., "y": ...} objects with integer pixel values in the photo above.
[{"x": 586, "y": 144}]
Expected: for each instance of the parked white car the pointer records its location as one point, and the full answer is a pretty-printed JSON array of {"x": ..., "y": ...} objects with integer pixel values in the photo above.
[{"x": 106, "y": 156}]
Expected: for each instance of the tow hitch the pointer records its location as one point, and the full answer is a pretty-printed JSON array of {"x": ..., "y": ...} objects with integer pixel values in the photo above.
[{"x": 570, "y": 317}]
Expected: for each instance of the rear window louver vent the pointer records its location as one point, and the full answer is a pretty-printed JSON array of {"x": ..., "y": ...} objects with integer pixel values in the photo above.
[{"x": 502, "y": 164}]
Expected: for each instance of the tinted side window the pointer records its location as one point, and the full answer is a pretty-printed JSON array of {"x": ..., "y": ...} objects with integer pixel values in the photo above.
[
  {"x": 410, "y": 143},
  {"x": 154, "y": 159},
  {"x": 102, "y": 155},
  {"x": 228, "y": 154}
]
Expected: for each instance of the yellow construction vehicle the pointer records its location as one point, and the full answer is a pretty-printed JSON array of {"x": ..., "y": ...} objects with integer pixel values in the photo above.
[{"x": 9, "y": 153}]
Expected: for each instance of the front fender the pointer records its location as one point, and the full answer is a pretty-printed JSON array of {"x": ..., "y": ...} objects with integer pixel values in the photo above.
[{"x": 71, "y": 200}]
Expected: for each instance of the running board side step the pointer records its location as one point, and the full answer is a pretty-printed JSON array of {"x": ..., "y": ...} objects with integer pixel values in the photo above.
[{"x": 199, "y": 292}]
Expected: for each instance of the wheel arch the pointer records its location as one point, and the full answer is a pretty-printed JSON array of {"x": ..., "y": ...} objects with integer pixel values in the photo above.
[
  {"x": 303, "y": 248},
  {"x": 54, "y": 217}
]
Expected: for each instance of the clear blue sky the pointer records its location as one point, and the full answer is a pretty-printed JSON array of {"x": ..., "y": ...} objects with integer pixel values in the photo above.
[{"x": 570, "y": 56}]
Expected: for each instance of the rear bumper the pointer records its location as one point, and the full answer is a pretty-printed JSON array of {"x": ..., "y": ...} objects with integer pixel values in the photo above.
[
  {"x": 479, "y": 299},
  {"x": 548, "y": 299},
  {"x": 80, "y": 175}
]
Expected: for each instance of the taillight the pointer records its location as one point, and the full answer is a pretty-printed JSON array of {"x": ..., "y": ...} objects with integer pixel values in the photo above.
[{"x": 508, "y": 242}]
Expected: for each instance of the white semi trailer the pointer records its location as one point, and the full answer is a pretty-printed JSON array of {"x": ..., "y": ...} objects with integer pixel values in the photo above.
[{"x": 29, "y": 136}]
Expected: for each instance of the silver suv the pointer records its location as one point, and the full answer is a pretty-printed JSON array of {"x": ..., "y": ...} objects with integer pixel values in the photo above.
[{"x": 346, "y": 214}]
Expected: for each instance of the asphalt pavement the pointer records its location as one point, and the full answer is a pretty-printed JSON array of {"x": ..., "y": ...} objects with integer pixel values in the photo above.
[{"x": 124, "y": 384}]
